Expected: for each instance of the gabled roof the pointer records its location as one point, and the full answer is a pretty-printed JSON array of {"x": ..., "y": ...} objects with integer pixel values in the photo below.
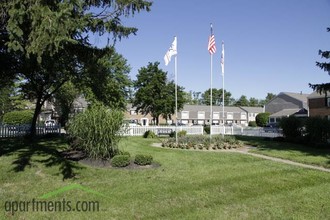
[
  {"x": 253, "y": 109},
  {"x": 316, "y": 95},
  {"x": 298, "y": 96},
  {"x": 288, "y": 112}
]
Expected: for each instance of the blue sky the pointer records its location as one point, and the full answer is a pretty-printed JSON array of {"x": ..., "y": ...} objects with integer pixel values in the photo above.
[{"x": 270, "y": 46}]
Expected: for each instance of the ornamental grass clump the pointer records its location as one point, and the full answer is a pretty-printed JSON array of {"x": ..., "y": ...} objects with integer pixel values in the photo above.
[{"x": 97, "y": 131}]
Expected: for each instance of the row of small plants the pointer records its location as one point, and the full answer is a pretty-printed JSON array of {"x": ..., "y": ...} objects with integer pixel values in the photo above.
[
  {"x": 151, "y": 134},
  {"x": 203, "y": 142},
  {"x": 123, "y": 160}
]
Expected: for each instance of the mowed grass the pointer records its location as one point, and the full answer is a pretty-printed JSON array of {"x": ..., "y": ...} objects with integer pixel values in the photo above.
[
  {"x": 307, "y": 154},
  {"x": 187, "y": 185}
]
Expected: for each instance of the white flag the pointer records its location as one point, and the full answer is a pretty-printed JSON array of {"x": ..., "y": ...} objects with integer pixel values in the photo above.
[
  {"x": 223, "y": 58},
  {"x": 171, "y": 52}
]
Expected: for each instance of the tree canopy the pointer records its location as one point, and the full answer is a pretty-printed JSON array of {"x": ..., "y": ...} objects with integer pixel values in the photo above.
[
  {"x": 46, "y": 43},
  {"x": 155, "y": 95},
  {"x": 216, "y": 97},
  {"x": 323, "y": 87}
]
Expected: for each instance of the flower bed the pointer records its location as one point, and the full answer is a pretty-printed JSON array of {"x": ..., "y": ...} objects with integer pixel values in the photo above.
[{"x": 203, "y": 142}]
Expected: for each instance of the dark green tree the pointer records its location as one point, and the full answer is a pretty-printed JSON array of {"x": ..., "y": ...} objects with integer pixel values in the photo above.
[
  {"x": 64, "y": 100},
  {"x": 154, "y": 94},
  {"x": 216, "y": 97},
  {"x": 108, "y": 81},
  {"x": 253, "y": 102},
  {"x": 269, "y": 97},
  {"x": 5, "y": 101},
  {"x": 262, "y": 119},
  {"x": 242, "y": 101},
  {"x": 324, "y": 87},
  {"x": 46, "y": 43}
]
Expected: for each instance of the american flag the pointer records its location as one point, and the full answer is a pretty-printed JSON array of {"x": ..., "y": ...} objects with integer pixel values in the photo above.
[{"x": 211, "y": 47}]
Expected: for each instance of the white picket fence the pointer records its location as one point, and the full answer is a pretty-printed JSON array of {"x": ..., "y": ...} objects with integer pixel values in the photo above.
[
  {"x": 21, "y": 130},
  {"x": 140, "y": 130},
  {"x": 199, "y": 130}
]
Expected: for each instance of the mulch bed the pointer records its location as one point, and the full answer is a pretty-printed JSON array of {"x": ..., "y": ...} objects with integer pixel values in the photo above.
[{"x": 79, "y": 156}]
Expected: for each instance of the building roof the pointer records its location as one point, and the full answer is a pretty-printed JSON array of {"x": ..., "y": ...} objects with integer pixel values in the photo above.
[
  {"x": 288, "y": 112},
  {"x": 302, "y": 97},
  {"x": 316, "y": 95},
  {"x": 253, "y": 109}
]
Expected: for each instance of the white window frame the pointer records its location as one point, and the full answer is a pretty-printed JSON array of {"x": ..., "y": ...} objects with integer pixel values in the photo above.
[
  {"x": 230, "y": 115},
  {"x": 201, "y": 115},
  {"x": 184, "y": 115}
]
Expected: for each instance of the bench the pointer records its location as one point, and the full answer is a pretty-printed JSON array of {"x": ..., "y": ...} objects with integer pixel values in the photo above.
[{"x": 164, "y": 131}]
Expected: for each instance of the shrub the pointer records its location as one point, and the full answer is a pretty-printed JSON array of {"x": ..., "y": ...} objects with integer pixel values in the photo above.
[
  {"x": 149, "y": 134},
  {"x": 292, "y": 127},
  {"x": 18, "y": 117},
  {"x": 120, "y": 161},
  {"x": 180, "y": 133},
  {"x": 262, "y": 119},
  {"x": 98, "y": 131},
  {"x": 141, "y": 159},
  {"x": 252, "y": 124},
  {"x": 317, "y": 129},
  {"x": 125, "y": 153},
  {"x": 207, "y": 129},
  {"x": 203, "y": 142}
]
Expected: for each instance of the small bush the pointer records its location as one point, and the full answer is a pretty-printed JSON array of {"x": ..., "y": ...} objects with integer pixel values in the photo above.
[
  {"x": 262, "y": 119},
  {"x": 125, "y": 153},
  {"x": 252, "y": 124},
  {"x": 18, "y": 117},
  {"x": 292, "y": 127},
  {"x": 317, "y": 130},
  {"x": 207, "y": 129},
  {"x": 180, "y": 133},
  {"x": 120, "y": 161},
  {"x": 143, "y": 160},
  {"x": 149, "y": 134}
]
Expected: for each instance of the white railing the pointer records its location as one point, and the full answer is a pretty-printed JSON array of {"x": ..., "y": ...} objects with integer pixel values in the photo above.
[
  {"x": 140, "y": 130},
  {"x": 21, "y": 130},
  {"x": 199, "y": 130}
]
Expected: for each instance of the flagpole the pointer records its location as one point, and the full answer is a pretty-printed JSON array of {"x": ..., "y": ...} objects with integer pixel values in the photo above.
[
  {"x": 211, "y": 79},
  {"x": 176, "y": 99},
  {"x": 211, "y": 113},
  {"x": 223, "y": 103},
  {"x": 223, "y": 86}
]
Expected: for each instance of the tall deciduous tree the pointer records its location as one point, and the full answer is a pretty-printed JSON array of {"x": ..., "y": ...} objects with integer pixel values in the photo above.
[
  {"x": 47, "y": 42},
  {"x": 324, "y": 87},
  {"x": 216, "y": 97},
  {"x": 154, "y": 94},
  {"x": 242, "y": 101}
]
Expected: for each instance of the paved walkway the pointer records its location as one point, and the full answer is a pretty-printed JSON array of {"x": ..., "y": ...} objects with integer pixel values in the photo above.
[
  {"x": 284, "y": 161},
  {"x": 245, "y": 150}
]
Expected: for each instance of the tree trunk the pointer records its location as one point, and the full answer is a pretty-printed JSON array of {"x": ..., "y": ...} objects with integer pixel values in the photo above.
[{"x": 35, "y": 117}]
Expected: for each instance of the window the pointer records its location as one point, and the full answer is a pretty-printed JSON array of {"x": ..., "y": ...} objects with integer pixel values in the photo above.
[
  {"x": 185, "y": 115},
  {"x": 328, "y": 102},
  {"x": 230, "y": 115},
  {"x": 243, "y": 115},
  {"x": 201, "y": 115},
  {"x": 216, "y": 115}
]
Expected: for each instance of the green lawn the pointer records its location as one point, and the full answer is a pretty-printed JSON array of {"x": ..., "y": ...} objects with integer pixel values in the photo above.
[
  {"x": 295, "y": 152},
  {"x": 187, "y": 185}
]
